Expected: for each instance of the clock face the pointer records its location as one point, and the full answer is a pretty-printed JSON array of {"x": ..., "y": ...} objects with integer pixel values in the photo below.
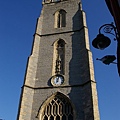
[{"x": 57, "y": 80}]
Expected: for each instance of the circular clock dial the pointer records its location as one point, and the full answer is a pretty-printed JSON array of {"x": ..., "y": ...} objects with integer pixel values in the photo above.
[{"x": 57, "y": 80}]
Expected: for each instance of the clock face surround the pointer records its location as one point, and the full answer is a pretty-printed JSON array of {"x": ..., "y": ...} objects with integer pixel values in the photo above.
[{"x": 57, "y": 80}]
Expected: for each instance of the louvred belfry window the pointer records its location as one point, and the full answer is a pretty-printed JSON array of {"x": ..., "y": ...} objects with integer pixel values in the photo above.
[{"x": 60, "y": 19}]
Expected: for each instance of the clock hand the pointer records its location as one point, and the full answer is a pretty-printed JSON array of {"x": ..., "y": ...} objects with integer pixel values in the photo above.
[{"x": 57, "y": 79}]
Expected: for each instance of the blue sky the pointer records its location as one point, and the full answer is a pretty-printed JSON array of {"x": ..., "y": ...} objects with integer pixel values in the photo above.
[{"x": 17, "y": 26}]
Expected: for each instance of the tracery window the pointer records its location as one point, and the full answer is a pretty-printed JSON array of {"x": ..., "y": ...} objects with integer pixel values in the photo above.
[
  {"x": 59, "y": 57},
  {"x": 59, "y": 108},
  {"x": 60, "y": 19}
]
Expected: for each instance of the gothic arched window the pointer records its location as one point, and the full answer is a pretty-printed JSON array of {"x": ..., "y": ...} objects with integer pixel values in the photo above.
[
  {"x": 59, "y": 57},
  {"x": 60, "y": 19},
  {"x": 58, "y": 108}
]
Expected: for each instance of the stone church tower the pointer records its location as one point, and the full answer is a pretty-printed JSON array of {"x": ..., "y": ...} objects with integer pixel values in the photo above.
[{"x": 59, "y": 81}]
